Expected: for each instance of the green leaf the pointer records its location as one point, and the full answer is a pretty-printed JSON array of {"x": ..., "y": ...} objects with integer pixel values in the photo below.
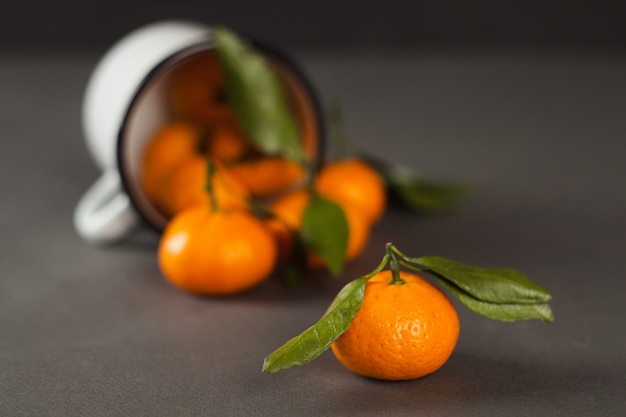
[
  {"x": 416, "y": 192},
  {"x": 325, "y": 231},
  {"x": 429, "y": 196},
  {"x": 315, "y": 340},
  {"x": 503, "y": 312},
  {"x": 492, "y": 285},
  {"x": 257, "y": 96}
]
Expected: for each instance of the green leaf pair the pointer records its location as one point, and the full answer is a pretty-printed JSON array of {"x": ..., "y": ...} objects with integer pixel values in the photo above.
[{"x": 501, "y": 294}]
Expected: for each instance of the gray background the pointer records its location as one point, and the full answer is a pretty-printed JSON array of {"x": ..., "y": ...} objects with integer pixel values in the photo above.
[
  {"x": 327, "y": 23},
  {"x": 524, "y": 102}
]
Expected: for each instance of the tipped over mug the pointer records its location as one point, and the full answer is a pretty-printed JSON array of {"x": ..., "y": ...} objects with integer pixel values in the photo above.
[{"x": 125, "y": 104}]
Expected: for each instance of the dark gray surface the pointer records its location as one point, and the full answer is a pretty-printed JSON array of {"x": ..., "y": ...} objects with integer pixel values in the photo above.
[
  {"x": 88, "y": 331},
  {"x": 328, "y": 23}
]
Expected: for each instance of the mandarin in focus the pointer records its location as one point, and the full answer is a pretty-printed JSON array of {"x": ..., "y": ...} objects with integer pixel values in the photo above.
[{"x": 402, "y": 331}]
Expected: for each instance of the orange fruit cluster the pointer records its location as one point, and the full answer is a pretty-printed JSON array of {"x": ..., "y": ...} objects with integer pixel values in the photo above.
[
  {"x": 205, "y": 250},
  {"x": 212, "y": 244},
  {"x": 203, "y": 125},
  {"x": 174, "y": 178},
  {"x": 173, "y": 173}
]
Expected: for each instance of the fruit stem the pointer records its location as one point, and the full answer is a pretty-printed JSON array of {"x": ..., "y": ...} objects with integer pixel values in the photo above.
[
  {"x": 392, "y": 254},
  {"x": 310, "y": 170},
  {"x": 260, "y": 210},
  {"x": 408, "y": 262},
  {"x": 210, "y": 168},
  {"x": 202, "y": 143}
]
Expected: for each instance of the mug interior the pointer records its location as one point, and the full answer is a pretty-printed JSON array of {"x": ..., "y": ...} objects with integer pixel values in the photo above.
[{"x": 151, "y": 109}]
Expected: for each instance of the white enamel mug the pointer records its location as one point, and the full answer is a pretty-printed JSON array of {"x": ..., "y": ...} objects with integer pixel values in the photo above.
[{"x": 125, "y": 104}]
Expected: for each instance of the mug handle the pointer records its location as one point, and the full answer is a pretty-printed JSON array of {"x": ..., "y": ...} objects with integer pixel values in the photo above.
[{"x": 105, "y": 214}]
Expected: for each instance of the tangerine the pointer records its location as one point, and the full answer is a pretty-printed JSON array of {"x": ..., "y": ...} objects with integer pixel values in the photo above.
[
  {"x": 290, "y": 210},
  {"x": 283, "y": 235},
  {"x": 267, "y": 176},
  {"x": 216, "y": 252},
  {"x": 172, "y": 143},
  {"x": 186, "y": 187},
  {"x": 228, "y": 142},
  {"x": 354, "y": 182},
  {"x": 402, "y": 330},
  {"x": 196, "y": 90}
]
